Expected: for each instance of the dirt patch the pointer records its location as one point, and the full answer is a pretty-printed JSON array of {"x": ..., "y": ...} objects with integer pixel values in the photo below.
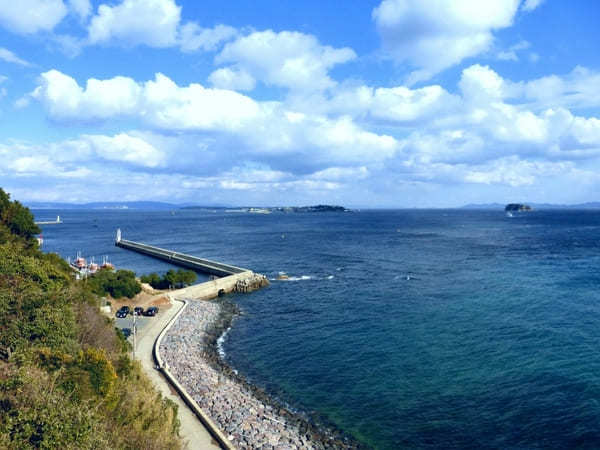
[
  {"x": 149, "y": 289},
  {"x": 143, "y": 299}
]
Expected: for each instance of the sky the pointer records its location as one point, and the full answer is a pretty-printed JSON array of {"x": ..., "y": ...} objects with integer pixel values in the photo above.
[{"x": 384, "y": 103}]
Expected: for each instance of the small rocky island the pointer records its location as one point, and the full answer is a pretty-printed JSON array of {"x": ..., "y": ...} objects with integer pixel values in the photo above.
[{"x": 517, "y": 207}]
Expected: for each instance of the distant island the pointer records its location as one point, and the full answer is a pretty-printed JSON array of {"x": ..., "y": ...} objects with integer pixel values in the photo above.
[
  {"x": 518, "y": 207},
  {"x": 537, "y": 206},
  {"x": 283, "y": 209},
  {"x": 311, "y": 209}
]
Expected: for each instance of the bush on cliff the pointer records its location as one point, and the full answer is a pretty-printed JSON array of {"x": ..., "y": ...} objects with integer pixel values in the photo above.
[
  {"x": 172, "y": 278},
  {"x": 65, "y": 376},
  {"x": 121, "y": 283}
]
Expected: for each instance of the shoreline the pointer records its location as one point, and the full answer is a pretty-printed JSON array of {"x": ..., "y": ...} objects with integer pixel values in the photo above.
[{"x": 245, "y": 413}]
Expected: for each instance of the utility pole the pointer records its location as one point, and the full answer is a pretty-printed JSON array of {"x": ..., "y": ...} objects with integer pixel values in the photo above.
[{"x": 134, "y": 332}]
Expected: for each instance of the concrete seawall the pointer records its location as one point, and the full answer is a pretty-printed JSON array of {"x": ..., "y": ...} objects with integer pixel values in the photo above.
[
  {"x": 240, "y": 282},
  {"x": 212, "y": 428}
]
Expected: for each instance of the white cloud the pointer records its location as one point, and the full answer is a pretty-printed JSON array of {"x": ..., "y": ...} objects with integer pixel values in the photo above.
[
  {"x": 31, "y": 16},
  {"x": 481, "y": 84},
  {"x": 515, "y": 172},
  {"x": 226, "y": 78},
  {"x": 287, "y": 59},
  {"x": 82, "y": 8},
  {"x": 432, "y": 36},
  {"x": 127, "y": 148},
  {"x": 492, "y": 132},
  {"x": 8, "y": 56},
  {"x": 155, "y": 23},
  {"x": 133, "y": 22},
  {"x": 192, "y": 37},
  {"x": 530, "y": 5},
  {"x": 341, "y": 173},
  {"x": 578, "y": 89},
  {"x": 511, "y": 53},
  {"x": 259, "y": 128},
  {"x": 397, "y": 104},
  {"x": 100, "y": 99}
]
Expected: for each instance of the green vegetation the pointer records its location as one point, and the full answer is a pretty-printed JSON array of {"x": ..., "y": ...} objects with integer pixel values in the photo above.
[
  {"x": 17, "y": 221},
  {"x": 66, "y": 380},
  {"x": 121, "y": 283},
  {"x": 172, "y": 278}
]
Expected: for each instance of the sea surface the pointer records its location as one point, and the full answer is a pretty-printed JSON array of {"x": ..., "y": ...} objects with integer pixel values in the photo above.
[{"x": 404, "y": 328}]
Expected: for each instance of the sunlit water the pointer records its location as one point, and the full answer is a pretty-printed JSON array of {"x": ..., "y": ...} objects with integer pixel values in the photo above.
[{"x": 409, "y": 329}]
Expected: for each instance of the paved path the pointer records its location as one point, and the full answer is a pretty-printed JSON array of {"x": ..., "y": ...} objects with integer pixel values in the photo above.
[{"x": 192, "y": 431}]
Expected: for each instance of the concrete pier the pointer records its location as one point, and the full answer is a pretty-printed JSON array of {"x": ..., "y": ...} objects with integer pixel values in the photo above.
[
  {"x": 181, "y": 259},
  {"x": 231, "y": 278},
  {"x": 50, "y": 222}
]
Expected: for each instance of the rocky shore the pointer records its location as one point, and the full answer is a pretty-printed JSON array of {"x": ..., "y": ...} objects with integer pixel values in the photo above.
[{"x": 248, "y": 417}]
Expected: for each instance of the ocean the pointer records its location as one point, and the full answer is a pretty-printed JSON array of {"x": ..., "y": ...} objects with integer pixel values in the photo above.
[{"x": 403, "y": 328}]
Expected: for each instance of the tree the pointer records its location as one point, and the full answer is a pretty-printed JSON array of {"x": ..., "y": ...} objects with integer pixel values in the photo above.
[
  {"x": 172, "y": 278},
  {"x": 17, "y": 217}
]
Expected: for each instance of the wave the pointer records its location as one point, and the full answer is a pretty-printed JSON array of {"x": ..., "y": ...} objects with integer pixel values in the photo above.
[
  {"x": 220, "y": 343},
  {"x": 301, "y": 278}
]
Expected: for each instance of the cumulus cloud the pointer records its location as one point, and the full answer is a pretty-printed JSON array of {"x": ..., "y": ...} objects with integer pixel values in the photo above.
[
  {"x": 398, "y": 104},
  {"x": 432, "y": 36},
  {"x": 492, "y": 131},
  {"x": 101, "y": 99},
  {"x": 31, "y": 16},
  {"x": 193, "y": 37},
  {"x": 237, "y": 80},
  {"x": 133, "y": 22},
  {"x": 287, "y": 59},
  {"x": 127, "y": 148},
  {"x": 155, "y": 23},
  {"x": 260, "y": 128}
]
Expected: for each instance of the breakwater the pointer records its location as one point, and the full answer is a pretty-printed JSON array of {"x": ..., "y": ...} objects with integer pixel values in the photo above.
[
  {"x": 49, "y": 222},
  {"x": 181, "y": 259}
]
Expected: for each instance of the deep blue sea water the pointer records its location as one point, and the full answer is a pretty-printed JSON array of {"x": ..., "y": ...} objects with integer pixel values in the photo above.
[{"x": 408, "y": 328}]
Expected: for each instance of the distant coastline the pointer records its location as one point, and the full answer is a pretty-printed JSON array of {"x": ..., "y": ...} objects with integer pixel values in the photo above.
[{"x": 165, "y": 206}]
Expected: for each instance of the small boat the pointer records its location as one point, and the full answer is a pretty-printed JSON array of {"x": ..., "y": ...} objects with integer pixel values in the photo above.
[
  {"x": 106, "y": 264},
  {"x": 283, "y": 276},
  {"x": 80, "y": 262},
  {"x": 93, "y": 267}
]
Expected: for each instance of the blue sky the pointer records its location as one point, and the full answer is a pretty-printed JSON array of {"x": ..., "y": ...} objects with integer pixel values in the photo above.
[{"x": 388, "y": 103}]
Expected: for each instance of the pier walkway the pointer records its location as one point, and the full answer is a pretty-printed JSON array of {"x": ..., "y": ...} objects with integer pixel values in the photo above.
[
  {"x": 49, "y": 222},
  {"x": 181, "y": 259}
]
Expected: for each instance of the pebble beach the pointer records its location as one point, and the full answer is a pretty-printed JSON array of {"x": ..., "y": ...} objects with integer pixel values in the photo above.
[{"x": 247, "y": 416}]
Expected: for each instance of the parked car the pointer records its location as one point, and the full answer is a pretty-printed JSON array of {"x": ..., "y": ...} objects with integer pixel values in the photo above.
[
  {"x": 152, "y": 311},
  {"x": 126, "y": 332},
  {"x": 123, "y": 311},
  {"x": 138, "y": 311}
]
